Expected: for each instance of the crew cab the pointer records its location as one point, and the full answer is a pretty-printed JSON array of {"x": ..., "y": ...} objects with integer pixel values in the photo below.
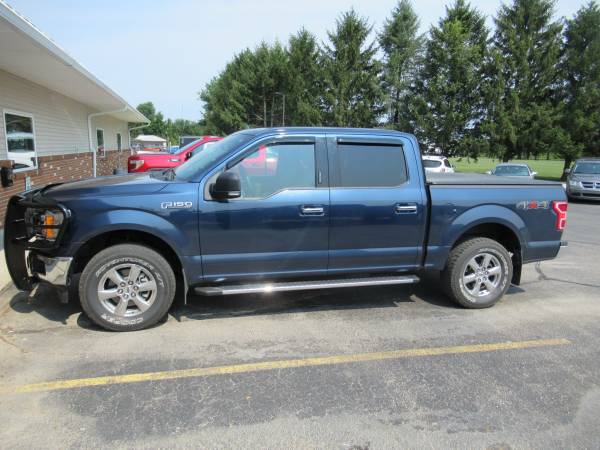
[
  {"x": 328, "y": 208},
  {"x": 145, "y": 161}
]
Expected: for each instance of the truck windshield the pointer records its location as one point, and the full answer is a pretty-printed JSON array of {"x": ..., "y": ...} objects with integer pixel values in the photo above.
[
  {"x": 204, "y": 160},
  {"x": 590, "y": 168},
  {"x": 186, "y": 147}
]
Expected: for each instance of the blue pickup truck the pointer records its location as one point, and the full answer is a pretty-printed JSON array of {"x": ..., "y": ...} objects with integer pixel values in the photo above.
[{"x": 321, "y": 208}]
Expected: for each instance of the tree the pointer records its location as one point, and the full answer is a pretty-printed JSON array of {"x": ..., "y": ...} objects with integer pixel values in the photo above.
[
  {"x": 353, "y": 96},
  {"x": 447, "y": 107},
  {"x": 157, "y": 120},
  {"x": 402, "y": 47},
  {"x": 581, "y": 90},
  {"x": 524, "y": 119},
  {"x": 247, "y": 93},
  {"x": 303, "y": 96}
]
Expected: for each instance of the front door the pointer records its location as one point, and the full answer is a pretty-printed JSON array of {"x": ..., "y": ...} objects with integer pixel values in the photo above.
[
  {"x": 377, "y": 206},
  {"x": 279, "y": 227}
]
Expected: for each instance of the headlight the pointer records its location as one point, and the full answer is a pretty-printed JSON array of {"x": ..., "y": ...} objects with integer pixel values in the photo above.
[
  {"x": 43, "y": 223},
  {"x": 573, "y": 183}
]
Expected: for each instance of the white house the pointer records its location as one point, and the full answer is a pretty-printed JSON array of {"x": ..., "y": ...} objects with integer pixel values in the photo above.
[{"x": 58, "y": 122}]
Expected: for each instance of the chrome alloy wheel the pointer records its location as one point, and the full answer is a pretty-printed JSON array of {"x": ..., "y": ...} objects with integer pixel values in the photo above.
[
  {"x": 127, "y": 290},
  {"x": 482, "y": 274}
]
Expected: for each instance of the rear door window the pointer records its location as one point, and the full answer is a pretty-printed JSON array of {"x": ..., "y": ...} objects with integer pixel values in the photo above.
[{"x": 371, "y": 165}]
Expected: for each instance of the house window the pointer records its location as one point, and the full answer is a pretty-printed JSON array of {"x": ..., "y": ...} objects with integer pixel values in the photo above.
[
  {"x": 20, "y": 140},
  {"x": 100, "y": 150},
  {"x": 119, "y": 142}
]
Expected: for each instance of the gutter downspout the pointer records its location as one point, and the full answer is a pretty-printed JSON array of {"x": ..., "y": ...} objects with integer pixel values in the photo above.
[
  {"x": 129, "y": 130},
  {"x": 90, "y": 136}
]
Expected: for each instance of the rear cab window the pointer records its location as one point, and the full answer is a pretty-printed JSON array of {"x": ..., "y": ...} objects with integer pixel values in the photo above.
[{"x": 374, "y": 164}]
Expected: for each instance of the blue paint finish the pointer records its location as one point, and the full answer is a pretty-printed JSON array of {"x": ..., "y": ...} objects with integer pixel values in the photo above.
[
  {"x": 361, "y": 230},
  {"x": 366, "y": 231},
  {"x": 264, "y": 237}
]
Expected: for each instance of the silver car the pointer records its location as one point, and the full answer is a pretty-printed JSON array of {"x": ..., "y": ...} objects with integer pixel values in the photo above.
[
  {"x": 583, "y": 179},
  {"x": 513, "y": 170}
]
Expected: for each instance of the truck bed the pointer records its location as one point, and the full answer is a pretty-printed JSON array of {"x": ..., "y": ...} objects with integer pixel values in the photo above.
[{"x": 478, "y": 179}]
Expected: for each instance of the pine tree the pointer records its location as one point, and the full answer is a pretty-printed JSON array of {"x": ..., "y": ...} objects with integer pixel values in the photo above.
[
  {"x": 303, "y": 97},
  {"x": 523, "y": 117},
  {"x": 247, "y": 93},
  {"x": 581, "y": 94},
  {"x": 353, "y": 96},
  {"x": 402, "y": 47},
  {"x": 448, "y": 107}
]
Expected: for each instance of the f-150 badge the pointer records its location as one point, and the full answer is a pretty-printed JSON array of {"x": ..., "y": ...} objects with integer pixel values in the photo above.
[{"x": 175, "y": 205}]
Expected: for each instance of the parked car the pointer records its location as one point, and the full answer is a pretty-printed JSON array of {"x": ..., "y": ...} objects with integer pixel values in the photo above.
[
  {"x": 437, "y": 164},
  {"x": 583, "y": 180},
  {"x": 337, "y": 208},
  {"x": 513, "y": 170},
  {"x": 143, "y": 162}
]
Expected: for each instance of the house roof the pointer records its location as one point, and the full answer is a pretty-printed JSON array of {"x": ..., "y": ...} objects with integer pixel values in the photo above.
[
  {"x": 27, "y": 52},
  {"x": 149, "y": 138}
]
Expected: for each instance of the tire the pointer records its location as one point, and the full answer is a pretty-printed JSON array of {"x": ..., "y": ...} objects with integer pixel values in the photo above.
[
  {"x": 116, "y": 303},
  {"x": 478, "y": 273}
]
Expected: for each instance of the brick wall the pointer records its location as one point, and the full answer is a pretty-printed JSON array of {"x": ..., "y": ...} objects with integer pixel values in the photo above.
[{"x": 61, "y": 169}]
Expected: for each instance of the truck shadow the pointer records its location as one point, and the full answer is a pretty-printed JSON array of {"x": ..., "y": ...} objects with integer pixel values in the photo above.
[{"x": 425, "y": 295}]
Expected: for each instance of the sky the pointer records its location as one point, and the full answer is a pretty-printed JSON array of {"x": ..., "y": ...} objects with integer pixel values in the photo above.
[{"x": 165, "y": 51}]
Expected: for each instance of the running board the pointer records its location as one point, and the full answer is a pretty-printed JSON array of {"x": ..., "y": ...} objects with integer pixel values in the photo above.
[{"x": 304, "y": 285}]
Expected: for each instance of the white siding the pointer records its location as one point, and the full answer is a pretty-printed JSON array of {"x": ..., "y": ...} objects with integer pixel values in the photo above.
[{"x": 60, "y": 122}]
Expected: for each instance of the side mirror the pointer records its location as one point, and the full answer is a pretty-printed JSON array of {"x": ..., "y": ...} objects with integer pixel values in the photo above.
[
  {"x": 226, "y": 186},
  {"x": 534, "y": 174},
  {"x": 567, "y": 171},
  {"x": 489, "y": 172}
]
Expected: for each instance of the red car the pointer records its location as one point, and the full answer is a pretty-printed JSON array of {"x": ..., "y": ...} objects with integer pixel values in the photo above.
[{"x": 143, "y": 162}]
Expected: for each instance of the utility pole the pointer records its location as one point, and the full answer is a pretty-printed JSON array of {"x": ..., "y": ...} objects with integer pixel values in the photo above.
[{"x": 283, "y": 107}]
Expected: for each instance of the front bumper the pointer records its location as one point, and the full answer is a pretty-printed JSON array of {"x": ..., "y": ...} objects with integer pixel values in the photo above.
[
  {"x": 583, "y": 193},
  {"x": 50, "y": 270}
]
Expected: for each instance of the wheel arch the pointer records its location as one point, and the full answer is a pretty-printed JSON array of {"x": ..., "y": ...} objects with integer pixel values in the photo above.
[
  {"x": 501, "y": 233},
  {"x": 107, "y": 239}
]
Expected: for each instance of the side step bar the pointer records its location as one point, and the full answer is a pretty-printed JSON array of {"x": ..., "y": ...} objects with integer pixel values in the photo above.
[{"x": 304, "y": 285}]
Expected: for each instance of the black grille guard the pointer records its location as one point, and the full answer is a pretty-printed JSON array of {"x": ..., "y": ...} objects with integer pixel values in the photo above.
[{"x": 16, "y": 240}]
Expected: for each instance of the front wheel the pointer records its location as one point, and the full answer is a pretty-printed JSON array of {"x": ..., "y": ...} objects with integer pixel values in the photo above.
[
  {"x": 127, "y": 287},
  {"x": 478, "y": 273}
]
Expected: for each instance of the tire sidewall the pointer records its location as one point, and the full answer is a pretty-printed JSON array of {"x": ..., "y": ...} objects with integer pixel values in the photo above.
[
  {"x": 506, "y": 275},
  {"x": 104, "y": 317}
]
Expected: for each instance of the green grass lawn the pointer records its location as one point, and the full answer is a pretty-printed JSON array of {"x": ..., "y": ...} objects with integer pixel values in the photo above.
[{"x": 546, "y": 169}]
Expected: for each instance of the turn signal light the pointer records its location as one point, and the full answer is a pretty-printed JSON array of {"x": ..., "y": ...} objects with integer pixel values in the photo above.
[{"x": 560, "y": 209}]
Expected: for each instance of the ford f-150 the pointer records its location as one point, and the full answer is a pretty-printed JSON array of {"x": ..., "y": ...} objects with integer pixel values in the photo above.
[{"x": 329, "y": 208}]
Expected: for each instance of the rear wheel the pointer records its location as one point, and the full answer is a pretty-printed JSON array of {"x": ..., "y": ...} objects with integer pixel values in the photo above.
[
  {"x": 127, "y": 287},
  {"x": 478, "y": 273}
]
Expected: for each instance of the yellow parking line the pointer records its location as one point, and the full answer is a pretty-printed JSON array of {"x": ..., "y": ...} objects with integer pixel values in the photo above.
[{"x": 273, "y": 365}]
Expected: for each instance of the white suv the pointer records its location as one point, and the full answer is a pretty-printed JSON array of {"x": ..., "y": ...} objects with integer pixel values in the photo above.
[{"x": 437, "y": 164}]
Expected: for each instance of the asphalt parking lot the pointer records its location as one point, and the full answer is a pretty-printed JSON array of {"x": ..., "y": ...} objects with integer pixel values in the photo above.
[{"x": 349, "y": 369}]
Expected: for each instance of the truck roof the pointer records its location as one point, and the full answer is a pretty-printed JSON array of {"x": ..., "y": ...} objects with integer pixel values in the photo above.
[{"x": 376, "y": 131}]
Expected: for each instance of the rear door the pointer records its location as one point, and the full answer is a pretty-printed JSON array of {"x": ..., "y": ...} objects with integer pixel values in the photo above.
[{"x": 377, "y": 207}]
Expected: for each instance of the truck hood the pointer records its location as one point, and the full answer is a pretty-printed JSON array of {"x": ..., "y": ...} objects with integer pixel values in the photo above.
[{"x": 130, "y": 184}]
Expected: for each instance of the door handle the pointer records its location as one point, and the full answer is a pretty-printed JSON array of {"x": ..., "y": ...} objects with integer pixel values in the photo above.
[
  {"x": 406, "y": 208},
  {"x": 312, "y": 211}
]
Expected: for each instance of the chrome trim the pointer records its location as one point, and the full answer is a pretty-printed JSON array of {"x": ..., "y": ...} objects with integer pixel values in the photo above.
[
  {"x": 56, "y": 269},
  {"x": 305, "y": 285}
]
